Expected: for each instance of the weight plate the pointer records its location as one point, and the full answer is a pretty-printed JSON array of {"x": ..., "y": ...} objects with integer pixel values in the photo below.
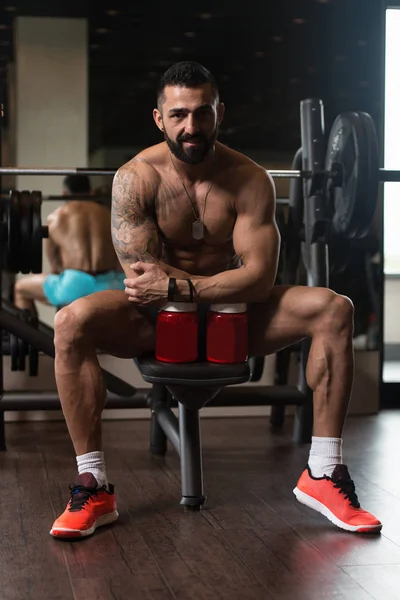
[
  {"x": 373, "y": 164},
  {"x": 340, "y": 251},
  {"x": 352, "y": 144},
  {"x": 26, "y": 231},
  {"x": 12, "y": 217},
  {"x": 5, "y": 342},
  {"x": 14, "y": 352},
  {"x": 33, "y": 361},
  {"x": 37, "y": 237},
  {"x": 337, "y": 265},
  {"x": 22, "y": 350}
]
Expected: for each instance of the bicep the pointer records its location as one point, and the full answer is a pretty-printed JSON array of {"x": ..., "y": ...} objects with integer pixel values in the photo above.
[
  {"x": 257, "y": 245},
  {"x": 134, "y": 231},
  {"x": 256, "y": 237},
  {"x": 136, "y": 241}
]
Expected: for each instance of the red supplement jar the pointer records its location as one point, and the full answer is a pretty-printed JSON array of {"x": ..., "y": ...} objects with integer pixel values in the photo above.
[
  {"x": 177, "y": 333},
  {"x": 227, "y": 333}
]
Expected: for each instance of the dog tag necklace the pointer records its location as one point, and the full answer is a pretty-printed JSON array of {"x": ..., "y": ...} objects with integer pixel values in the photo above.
[{"x": 198, "y": 224}]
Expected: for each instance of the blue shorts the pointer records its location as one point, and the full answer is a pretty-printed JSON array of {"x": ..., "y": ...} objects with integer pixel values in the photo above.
[{"x": 72, "y": 284}]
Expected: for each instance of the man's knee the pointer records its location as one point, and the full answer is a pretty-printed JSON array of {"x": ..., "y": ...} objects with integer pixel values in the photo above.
[
  {"x": 21, "y": 287},
  {"x": 338, "y": 314},
  {"x": 71, "y": 324}
]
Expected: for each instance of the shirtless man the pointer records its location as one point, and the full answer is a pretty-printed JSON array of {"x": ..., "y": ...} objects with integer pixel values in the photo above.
[
  {"x": 80, "y": 252},
  {"x": 192, "y": 208}
]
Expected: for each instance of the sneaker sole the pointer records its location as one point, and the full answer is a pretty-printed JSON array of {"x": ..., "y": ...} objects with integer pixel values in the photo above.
[
  {"x": 64, "y": 532},
  {"x": 324, "y": 510}
]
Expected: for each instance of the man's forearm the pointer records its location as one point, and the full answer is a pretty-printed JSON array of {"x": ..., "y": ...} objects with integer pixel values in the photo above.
[
  {"x": 238, "y": 285},
  {"x": 148, "y": 258}
]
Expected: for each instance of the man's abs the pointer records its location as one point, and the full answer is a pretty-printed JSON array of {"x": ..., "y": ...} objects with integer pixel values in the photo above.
[{"x": 203, "y": 260}]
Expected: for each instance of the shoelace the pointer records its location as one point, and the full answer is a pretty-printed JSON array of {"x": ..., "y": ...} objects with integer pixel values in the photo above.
[
  {"x": 347, "y": 487},
  {"x": 80, "y": 495}
]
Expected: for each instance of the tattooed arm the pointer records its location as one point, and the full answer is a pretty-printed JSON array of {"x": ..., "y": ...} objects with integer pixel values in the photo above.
[{"x": 134, "y": 230}]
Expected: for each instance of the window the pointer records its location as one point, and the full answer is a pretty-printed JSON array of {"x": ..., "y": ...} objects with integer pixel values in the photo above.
[{"x": 392, "y": 142}]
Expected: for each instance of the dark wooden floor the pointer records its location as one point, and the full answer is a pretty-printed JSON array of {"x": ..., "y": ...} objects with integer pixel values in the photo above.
[{"x": 252, "y": 541}]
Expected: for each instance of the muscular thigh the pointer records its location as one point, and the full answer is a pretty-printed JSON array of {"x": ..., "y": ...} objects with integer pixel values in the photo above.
[
  {"x": 111, "y": 323},
  {"x": 287, "y": 317},
  {"x": 31, "y": 286}
]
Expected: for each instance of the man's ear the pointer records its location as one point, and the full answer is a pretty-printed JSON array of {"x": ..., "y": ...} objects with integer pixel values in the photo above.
[
  {"x": 157, "y": 116},
  {"x": 220, "y": 112}
]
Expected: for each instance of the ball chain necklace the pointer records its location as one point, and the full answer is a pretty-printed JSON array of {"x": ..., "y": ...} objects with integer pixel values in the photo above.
[{"x": 198, "y": 224}]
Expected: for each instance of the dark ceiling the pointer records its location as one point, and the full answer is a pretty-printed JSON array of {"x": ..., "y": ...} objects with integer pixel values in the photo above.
[{"x": 266, "y": 56}]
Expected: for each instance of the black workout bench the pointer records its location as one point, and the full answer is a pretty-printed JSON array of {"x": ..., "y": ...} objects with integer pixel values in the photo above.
[{"x": 192, "y": 386}]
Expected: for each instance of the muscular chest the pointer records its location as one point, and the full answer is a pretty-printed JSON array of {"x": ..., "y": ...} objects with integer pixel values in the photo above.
[{"x": 176, "y": 214}]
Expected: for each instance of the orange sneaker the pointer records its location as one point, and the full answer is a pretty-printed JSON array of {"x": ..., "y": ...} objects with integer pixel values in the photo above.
[
  {"x": 335, "y": 497},
  {"x": 88, "y": 508}
]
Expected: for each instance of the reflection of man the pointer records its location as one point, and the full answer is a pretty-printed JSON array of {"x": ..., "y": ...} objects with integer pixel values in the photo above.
[
  {"x": 191, "y": 208},
  {"x": 79, "y": 249}
]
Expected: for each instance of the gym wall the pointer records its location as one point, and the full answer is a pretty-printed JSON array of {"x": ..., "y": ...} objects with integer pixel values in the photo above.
[{"x": 51, "y": 114}]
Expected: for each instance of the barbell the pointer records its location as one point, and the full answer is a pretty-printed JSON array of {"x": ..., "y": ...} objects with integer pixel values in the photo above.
[
  {"x": 347, "y": 188},
  {"x": 386, "y": 175},
  {"x": 345, "y": 192}
]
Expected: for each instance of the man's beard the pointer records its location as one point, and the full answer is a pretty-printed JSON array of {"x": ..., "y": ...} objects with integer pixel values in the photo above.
[{"x": 192, "y": 155}]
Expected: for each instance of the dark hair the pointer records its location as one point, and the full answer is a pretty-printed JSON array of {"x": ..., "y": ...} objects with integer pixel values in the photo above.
[
  {"x": 77, "y": 184},
  {"x": 188, "y": 74}
]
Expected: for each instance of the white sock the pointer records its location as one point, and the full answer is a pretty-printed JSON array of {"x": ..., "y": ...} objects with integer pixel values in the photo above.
[
  {"x": 93, "y": 462},
  {"x": 325, "y": 454}
]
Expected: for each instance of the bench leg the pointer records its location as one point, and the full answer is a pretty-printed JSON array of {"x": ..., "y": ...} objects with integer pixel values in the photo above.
[
  {"x": 303, "y": 423},
  {"x": 277, "y": 417},
  {"x": 158, "y": 439},
  {"x": 191, "y": 458}
]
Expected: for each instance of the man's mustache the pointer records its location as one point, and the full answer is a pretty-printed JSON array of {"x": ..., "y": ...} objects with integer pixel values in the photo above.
[{"x": 192, "y": 138}]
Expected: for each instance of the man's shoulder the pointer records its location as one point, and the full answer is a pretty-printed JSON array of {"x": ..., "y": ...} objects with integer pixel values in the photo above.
[
  {"x": 92, "y": 205},
  {"x": 146, "y": 163},
  {"x": 76, "y": 208},
  {"x": 243, "y": 169}
]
